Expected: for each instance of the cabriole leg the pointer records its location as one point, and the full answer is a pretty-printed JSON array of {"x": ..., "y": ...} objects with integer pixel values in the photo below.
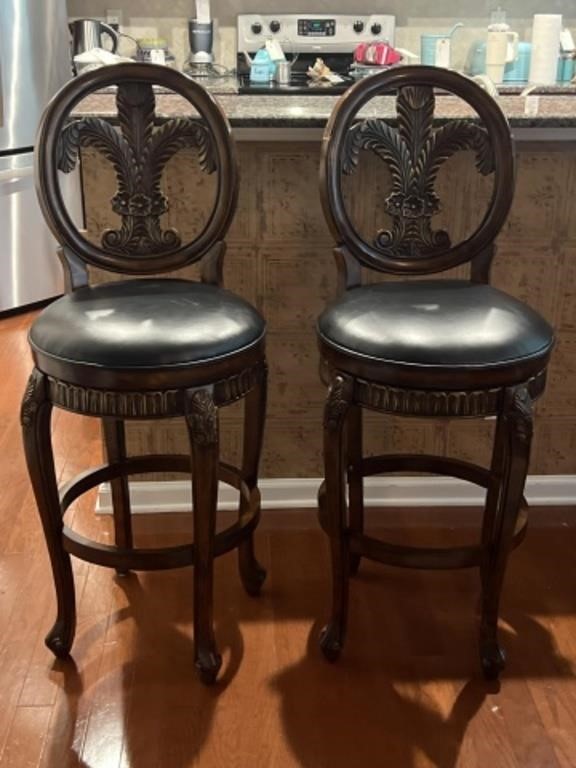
[
  {"x": 202, "y": 421},
  {"x": 115, "y": 445},
  {"x": 35, "y": 418},
  {"x": 355, "y": 479},
  {"x": 516, "y": 431},
  {"x": 251, "y": 572},
  {"x": 336, "y": 409}
]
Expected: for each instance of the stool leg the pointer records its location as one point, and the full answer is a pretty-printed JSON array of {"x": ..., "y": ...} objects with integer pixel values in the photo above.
[
  {"x": 115, "y": 445},
  {"x": 251, "y": 572},
  {"x": 35, "y": 418},
  {"x": 516, "y": 430},
  {"x": 337, "y": 405},
  {"x": 497, "y": 473},
  {"x": 202, "y": 421},
  {"x": 355, "y": 479}
]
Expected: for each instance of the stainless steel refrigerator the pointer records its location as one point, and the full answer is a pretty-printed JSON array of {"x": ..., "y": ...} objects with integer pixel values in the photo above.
[{"x": 34, "y": 64}]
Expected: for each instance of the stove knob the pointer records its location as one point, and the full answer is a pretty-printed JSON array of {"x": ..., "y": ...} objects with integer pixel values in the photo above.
[
  {"x": 376, "y": 29},
  {"x": 274, "y": 26},
  {"x": 358, "y": 26},
  {"x": 256, "y": 28}
]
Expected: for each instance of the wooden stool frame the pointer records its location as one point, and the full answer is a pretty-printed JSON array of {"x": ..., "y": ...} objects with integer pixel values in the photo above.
[
  {"x": 139, "y": 152},
  {"x": 414, "y": 150}
]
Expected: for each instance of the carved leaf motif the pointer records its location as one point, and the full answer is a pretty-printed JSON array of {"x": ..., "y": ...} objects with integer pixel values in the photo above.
[
  {"x": 99, "y": 134},
  {"x": 203, "y": 418},
  {"x": 521, "y": 413},
  {"x": 337, "y": 403},
  {"x": 68, "y": 147},
  {"x": 32, "y": 398},
  {"x": 141, "y": 236},
  {"x": 179, "y": 134},
  {"x": 136, "y": 104},
  {"x": 385, "y": 142},
  {"x": 138, "y": 153},
  {"x": 415, "y": 107},
  {"x": 414, "y": 153},
  {"x": 453, "y": 137}
]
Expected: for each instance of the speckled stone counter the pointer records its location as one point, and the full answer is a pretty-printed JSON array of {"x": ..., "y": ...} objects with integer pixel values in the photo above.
[
  {"x": 554, "y": 110},
  {"x": 280, "y": 259}
]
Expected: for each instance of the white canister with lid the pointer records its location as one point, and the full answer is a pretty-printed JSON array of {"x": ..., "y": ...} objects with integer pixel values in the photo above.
[{"x": 501, "y": 46}]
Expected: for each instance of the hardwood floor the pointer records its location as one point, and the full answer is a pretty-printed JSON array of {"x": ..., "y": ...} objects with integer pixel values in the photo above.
[{"x": 407, "y": 692}]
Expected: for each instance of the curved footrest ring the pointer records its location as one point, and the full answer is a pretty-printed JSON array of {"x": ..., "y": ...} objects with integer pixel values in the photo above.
[
  {"x": 161, "y": 558},
  {"x": 424, "y": 558}
]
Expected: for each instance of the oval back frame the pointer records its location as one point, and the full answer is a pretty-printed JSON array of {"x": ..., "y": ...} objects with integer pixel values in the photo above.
[
  {"x": 332, "y": 164},
  {"x": 54, "y": 122}
]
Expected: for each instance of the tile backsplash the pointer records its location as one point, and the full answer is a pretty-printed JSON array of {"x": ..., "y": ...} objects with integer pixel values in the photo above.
[{"x": 157, "y": 18}]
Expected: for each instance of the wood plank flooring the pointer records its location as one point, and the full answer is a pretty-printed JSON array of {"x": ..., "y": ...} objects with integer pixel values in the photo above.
[{"x": 407, "y": 692}]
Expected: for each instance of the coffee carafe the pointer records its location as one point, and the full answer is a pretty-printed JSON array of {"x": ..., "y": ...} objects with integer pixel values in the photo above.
[{"x": 87, "y": 34}]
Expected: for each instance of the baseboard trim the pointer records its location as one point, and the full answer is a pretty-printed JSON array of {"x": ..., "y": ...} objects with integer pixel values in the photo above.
[{"x": 300, "y": 493}]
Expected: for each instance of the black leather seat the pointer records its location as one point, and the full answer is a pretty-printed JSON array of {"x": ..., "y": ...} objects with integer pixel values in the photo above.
[
  {"x": 144, "y": 324},
  {"x": 145, "y": 346},
  {"x": 426, "y": 347},
  {"x": 448, "y": 326}
]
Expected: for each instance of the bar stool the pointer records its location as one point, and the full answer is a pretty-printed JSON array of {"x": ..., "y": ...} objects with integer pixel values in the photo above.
[
  {"x": 423, "y": 347},
  {"x": 144, "y": 348}
]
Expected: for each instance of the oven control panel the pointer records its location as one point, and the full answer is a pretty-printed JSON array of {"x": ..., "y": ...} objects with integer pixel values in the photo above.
[
  {"x": 317, "y": 27},
  {"x": 309, "y": 33}
]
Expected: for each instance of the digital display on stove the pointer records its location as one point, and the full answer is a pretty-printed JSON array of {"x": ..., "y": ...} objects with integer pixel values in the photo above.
[{"x": 317, "y": 27}]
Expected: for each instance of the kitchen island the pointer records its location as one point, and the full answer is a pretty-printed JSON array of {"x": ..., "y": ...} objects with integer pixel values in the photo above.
[{"x": 280, "y": 258}]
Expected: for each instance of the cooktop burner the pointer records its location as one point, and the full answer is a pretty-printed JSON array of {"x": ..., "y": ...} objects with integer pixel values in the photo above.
[{"x": 300, "y": 84}]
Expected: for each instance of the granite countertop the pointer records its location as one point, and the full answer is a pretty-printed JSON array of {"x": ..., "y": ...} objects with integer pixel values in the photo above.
[{"x": 555, "y": 110}]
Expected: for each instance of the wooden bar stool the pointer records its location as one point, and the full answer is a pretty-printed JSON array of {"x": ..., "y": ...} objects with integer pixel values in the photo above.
[
  {"x": 428, "y": 347},
  {"x": 145, "y": 348}
]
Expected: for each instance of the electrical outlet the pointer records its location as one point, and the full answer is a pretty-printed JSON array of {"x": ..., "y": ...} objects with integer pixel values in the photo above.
[{"x": 114, "y": 18}]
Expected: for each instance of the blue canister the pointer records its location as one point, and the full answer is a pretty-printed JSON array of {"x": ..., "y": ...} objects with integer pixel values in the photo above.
[
  {"x": 429, "y": 46},
  {"x": 435, "y": 49},
  {"x": 515, "y": 72},
  {"x": 262, "y": 68},
  {"x": 519, "y": 71},
  {"x": 566, "y": 67}
]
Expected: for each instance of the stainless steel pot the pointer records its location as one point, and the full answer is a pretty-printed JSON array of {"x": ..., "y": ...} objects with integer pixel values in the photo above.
[{"x": 87, "y": 34}]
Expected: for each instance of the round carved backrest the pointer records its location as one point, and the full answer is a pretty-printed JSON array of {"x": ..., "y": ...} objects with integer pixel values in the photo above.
[
  {"x": 138, "y": 149},
  {"x": 414, "y": 150}
]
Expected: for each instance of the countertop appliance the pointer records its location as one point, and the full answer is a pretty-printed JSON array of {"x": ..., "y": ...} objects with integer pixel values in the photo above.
[
  {"x": 332, "y": 37},
  {"x": 34, "y": 64},
  {"x": 88, "y": 34}
]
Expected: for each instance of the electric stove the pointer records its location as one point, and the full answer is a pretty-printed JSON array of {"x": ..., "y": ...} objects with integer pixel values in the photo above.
[{"x": 304, "y": 38}]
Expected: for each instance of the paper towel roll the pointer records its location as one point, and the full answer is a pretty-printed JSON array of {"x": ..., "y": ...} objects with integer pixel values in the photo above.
[
  {"x": 545, "y": 48},
  {"x": 203, "y": 11}
]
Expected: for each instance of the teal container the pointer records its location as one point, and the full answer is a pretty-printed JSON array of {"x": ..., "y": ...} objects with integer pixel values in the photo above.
[
  {"x": 519, "y": 71},
  {"x": 566, "y": 68},
  {"x": 428, "y": 47},
  {"x": 516, "y": 72}
]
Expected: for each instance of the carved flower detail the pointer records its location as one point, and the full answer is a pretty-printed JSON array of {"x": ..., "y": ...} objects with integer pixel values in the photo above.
[
  {"x": 120, "y": 203},
  {"x": 411, "y": 206},
  {"x": 394, "y": 204},
  {"x": 139, "y": 204}
]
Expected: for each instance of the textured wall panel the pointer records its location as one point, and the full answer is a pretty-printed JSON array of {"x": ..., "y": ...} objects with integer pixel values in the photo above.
[{"x": 280, "y": 258}]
